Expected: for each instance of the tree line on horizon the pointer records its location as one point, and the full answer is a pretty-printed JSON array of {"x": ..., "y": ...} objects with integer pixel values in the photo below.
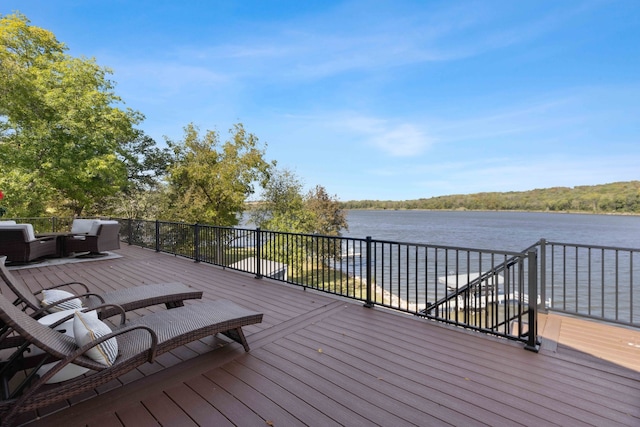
[{"x": 614, "y": 198}]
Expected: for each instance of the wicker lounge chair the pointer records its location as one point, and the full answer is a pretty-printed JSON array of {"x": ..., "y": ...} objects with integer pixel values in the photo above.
[
  {"x": 139, "y": 341},
  {"x": 170, "y": 294}
]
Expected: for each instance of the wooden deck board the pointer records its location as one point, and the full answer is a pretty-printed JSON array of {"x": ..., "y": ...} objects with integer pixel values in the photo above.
[
  {"x": 321, "y": 360},
  {"x": 201, "y": 412},
  {"x": 134, "y": 415},
  {"x": 167, "y": 412},
  {"x": 281, "y": 397},
  {"x": 228, "y": 404}
]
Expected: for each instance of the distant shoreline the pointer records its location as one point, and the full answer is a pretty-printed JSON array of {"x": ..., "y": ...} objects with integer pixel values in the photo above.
[
  {"x": 617, "y": 198},
  {"x": 496, "y": 210}
]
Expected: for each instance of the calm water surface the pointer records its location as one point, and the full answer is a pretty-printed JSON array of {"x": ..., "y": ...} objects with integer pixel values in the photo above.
[{"x": 512, "y": 231}]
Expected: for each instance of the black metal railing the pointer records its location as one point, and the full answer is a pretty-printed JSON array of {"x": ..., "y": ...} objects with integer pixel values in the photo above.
[
  {"x": 599, "y": 282},
  {"x": 480, "y": 289},
  {"x": 498, "y": 292}
]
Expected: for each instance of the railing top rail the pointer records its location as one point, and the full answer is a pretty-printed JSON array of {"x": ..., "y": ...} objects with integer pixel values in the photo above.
[
  {"x": 315, "y": 235},
  {"x": 578, "y": 245},
  {"x": 446, "y": 247}
]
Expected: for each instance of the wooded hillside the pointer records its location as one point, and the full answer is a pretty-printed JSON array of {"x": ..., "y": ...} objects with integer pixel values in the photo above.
[{"x": 617, "y": 197}]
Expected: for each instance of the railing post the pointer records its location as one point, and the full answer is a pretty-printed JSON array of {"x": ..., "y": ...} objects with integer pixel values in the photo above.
[
  {"x": 217, "y": 256},
  {"x": 130, "y": 224},
  {"x": 369, "y": 303},
  {"x": 543, "y": 275},
  {"x": 258, "y": 253},
  {"x": 196, "y": 242},
  {"x": 532, "y": 309},
  {"x": 157, "y": 236}
]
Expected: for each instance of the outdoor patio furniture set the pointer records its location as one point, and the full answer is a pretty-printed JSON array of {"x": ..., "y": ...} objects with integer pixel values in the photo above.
[
  {"x": 54, "y": 344},
  {"x": 20, "y": 244}
]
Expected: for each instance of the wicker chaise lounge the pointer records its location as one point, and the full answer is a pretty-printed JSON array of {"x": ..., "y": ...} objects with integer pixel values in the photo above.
[
  {"x": 139, "y": 341},
  {"x": 170, "y": 294}
]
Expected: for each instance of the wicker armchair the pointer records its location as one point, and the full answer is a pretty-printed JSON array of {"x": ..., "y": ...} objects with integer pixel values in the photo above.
[
  {"x": 20, "y": 245},
  {"x": 99, "y": 237},
  {"x": 139, "y": 341},
  {"x": 170, "y": 294}
]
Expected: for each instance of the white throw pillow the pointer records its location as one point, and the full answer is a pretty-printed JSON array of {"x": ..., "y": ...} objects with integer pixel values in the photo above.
[
  {"x": 87, "y": 329},
  {"x": 70, "y": 371},
  {"x": 50, "y": 296}
]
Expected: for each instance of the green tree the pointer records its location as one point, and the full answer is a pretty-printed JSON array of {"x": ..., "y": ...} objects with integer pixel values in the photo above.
[
  {"x": 146, "y": 166},
  {"x": 60, "y": 128},
  {"x": 285, "y": 209},
  {"x": 282, "y": 205},
  {"x": 327, "y": 217},
  {"x": 209, "y": 181}
]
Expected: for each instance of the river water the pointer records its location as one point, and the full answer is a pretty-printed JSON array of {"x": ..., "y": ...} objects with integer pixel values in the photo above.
[
  {"x": 593, "y": 282},
  {"x": 510, "y": 231}
]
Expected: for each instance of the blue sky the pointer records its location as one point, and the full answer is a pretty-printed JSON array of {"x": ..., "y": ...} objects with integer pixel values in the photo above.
[{"x": 387, "y": 100}]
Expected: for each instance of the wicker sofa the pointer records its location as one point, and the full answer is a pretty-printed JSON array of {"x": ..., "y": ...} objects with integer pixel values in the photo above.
[{"x": 19, "y": 243}]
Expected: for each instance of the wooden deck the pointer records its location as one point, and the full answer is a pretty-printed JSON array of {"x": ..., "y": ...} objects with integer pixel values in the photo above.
[{"x": 319, "y": 360}]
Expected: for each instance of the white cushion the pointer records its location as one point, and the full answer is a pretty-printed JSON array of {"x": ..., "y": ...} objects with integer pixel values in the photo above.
[
  {"x": 50, "y": 296},
  {"x": 87, "y": 329},
  {"x": 7, "y": 222},
  {"x": 81, "y": 226},
  {"x": 94, "y": 228},
  {"x": 30, "y": 234},
  {"x": 28, "y": 229}
]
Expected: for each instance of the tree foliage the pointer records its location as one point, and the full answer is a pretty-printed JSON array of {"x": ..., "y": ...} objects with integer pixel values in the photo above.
[
  {"x": 146, "y": 165},
  {"x": 327, "y": 217},
  {"x": 284, "y": 208},
  {"x": 618, "y": 197},
  {"x": 210, "y": 180},
  {"x": 282, "y": 205},
  {"x": 61, "y": 132}
]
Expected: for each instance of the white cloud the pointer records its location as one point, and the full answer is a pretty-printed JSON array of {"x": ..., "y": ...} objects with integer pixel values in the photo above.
[
  {"x": 403, "y": 140},
  {"x": 397, "y": 139}
]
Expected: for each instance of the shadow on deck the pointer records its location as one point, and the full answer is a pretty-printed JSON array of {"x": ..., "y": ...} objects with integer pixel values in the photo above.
[{"x": 322, "y": 360}]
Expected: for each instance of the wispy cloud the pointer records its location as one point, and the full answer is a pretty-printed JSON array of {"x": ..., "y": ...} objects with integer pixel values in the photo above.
[
  {"x": 403, "y": 140},
  {"x": 167, "y": 78},
  {"x": 337, "y": 43},
  {"x": 512, "y": 173},
  {"x": 391, "y": 137}
]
